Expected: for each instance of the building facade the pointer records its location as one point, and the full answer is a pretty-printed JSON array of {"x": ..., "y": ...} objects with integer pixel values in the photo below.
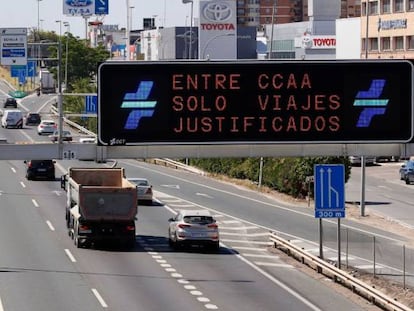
[{"x": 387, "y": 31}]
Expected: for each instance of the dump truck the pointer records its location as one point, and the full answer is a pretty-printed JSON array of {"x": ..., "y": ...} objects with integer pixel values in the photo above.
[{"x": 101, "y": 206}]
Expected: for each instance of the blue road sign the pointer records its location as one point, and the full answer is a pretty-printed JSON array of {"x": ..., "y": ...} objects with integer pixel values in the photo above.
[
  {"x": 91, "y": 104},
  {"x": 329, "y": 190},
  {"x": 16, "y": 70},
  {"x": 31, "y": 68},
  {"x": 101, "y": 7}
]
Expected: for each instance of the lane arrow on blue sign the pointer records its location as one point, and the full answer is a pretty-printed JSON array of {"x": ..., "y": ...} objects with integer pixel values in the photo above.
[{"x": 329, "y": 190}]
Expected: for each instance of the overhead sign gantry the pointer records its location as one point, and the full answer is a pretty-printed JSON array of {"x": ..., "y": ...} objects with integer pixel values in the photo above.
[{"x": 254, "y": 102}]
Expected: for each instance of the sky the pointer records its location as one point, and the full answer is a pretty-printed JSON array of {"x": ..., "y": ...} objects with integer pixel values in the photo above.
[{"x": 24, "y": 14}]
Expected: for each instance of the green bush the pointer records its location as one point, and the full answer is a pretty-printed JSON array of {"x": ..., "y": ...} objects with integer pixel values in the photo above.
[{"x": 286, "y": 175}]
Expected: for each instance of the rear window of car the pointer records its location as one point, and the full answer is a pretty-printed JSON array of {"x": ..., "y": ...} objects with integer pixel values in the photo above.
[
  {"x": 200, "y": 220},
  {"x": 41, "y": 162}
]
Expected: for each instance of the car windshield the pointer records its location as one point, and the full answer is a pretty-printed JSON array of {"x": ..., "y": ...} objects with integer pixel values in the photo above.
[
  {"x": 140, "y": 182},
  {"x": 200, "y": 220}
]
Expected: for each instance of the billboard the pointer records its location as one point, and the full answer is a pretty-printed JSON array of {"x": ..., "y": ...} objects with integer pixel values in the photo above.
[
  {"x": 85, "y": 7},
  {"x": 255, "y": 102},
  {"x": 218, "y": 30}
]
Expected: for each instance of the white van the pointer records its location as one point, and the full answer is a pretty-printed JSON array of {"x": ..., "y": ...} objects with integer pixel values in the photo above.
[{"x": 12, "y": 118}]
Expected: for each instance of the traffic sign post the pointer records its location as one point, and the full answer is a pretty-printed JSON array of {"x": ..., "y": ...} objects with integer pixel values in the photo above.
[{"x": 329, "y": 193}]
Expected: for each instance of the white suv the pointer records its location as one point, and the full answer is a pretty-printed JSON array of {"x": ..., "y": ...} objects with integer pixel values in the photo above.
[{"x": 193, "y": 227}]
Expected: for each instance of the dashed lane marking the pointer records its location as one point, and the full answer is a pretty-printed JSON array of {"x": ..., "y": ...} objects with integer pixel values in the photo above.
[
  {"x": 69, "y": 254},
  {"x": 99, "y": 297},
  {"x": 50, "y": 225}
]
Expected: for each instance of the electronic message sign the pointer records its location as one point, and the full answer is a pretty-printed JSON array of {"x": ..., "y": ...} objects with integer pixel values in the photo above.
[{"x": 253, "y": 102}]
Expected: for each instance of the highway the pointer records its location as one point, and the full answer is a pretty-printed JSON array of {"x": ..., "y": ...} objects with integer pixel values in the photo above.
[{"x": 43, "y": 270}]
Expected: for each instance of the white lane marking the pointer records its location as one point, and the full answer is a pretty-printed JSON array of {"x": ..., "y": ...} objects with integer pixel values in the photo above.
[
  {"x": 1, "y": 306},
  {"x": 99, "y": 297},
  {"x": 178, "y": 206},
  {"x": 176, "y": 275},
  {"x": 211, "y": 306},
  {"x": 190, "y": 287},
  {"x": 237, "y": 228},
  {"x": 171, "y": 186},
  {"x": 273, "y": 264},
  {"x": 231, "y": 221},
  {"x": 368, "y": 267},
  {"x": 50, "y": 225},
  {"x": 249, "y": 242},
  {"x": 196, "y": 293},
  {"x": 204, "y": 195},
  {"x": 165, "y": 265},
  {"x": 69, "y": 254},
  {"x": 58, "y": 193},
  {"x": 245, "y": 234},
  {"x": 13, "y": 169},
  {"x": 183, "y": 281},
  {"x": 23, "y": 185},
  {"x": 251, "y": 248},
  {"x": 280, "y": 284},
  {"x": 261, "y": 256},
  {"x": 35, "y": 203}
]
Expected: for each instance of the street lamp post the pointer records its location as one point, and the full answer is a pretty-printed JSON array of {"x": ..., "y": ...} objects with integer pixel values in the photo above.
[
  {"x": 273, "y": 27},
  {"x": 191, "y": 27},
  {"x": 59, "y": 81},
  {"x": 38, "y": 33},
  {"x": 67, "y": 25},
  {"x": 38, "y": 15},
  {"x": 127, "y": 31}
]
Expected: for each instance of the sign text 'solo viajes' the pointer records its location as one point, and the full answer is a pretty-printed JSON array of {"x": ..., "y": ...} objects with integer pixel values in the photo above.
[{"x": 254, "y": 102}]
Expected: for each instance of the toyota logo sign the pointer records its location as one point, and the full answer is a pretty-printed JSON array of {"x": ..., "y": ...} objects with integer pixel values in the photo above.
[{"x": 217, "y": 12}]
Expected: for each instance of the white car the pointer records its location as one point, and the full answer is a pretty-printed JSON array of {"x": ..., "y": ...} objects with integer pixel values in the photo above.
[
  {"x": 193, "y": 227},
  {"x": 87, "y": 140},
  {"x": 144, "y": 189},
  {"x": 46, "y": 127},
  {"x": 356, "y": 160}
]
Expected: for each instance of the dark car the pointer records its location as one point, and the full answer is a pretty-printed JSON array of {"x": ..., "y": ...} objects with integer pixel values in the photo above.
[
  {"x": 33, "y": 118},
  {"x": 10, "y": 102},
  {"x": 40, "y": 168}
]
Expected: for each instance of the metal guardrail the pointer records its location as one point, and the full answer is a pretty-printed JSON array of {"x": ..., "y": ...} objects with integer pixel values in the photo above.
[
  {"x": 54, "y": 110},
  {"x": 178, "y": 165},
  {"x": 338, "y": 275}
]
